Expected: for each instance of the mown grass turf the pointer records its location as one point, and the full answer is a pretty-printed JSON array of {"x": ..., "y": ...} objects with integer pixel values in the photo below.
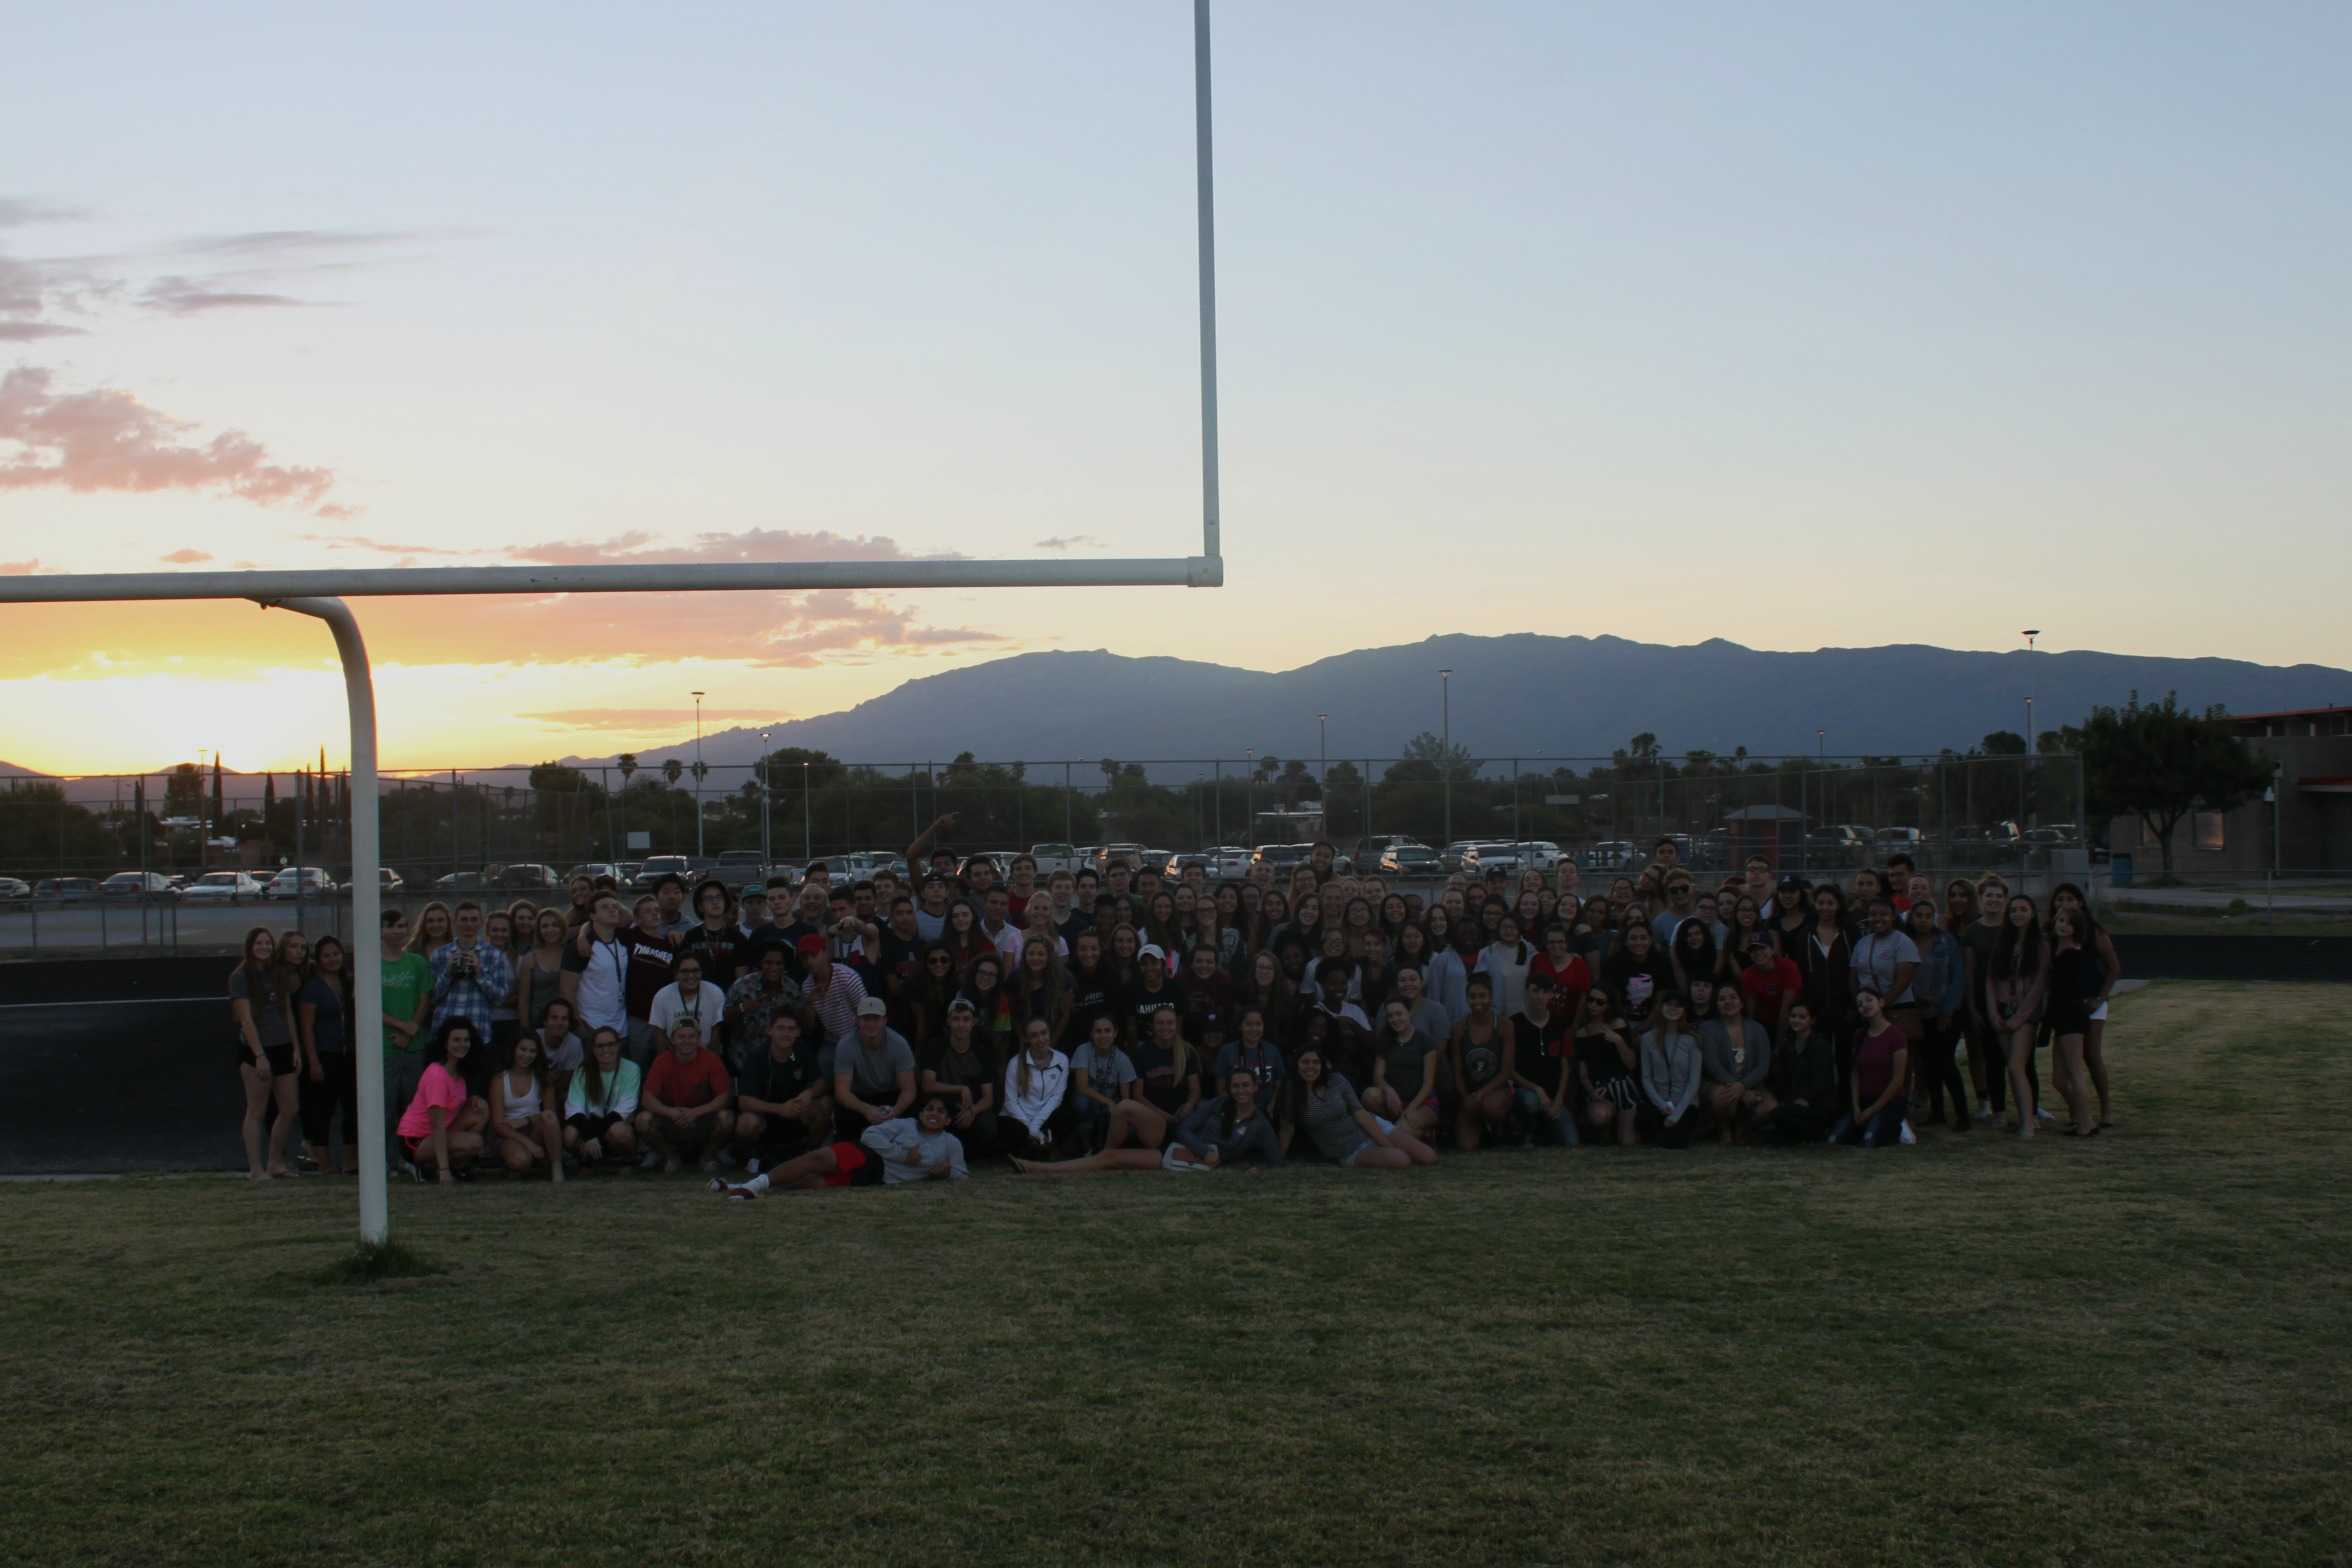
[{"x": 2127, "y": 1351}]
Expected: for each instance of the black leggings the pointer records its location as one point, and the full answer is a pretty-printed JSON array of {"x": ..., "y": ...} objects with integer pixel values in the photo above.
[
  {"x": 320, "y": 1101},
  {"x": 1938, "y": 1071}
]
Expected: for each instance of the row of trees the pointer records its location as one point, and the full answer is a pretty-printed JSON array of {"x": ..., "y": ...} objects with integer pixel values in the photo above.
[{"x": 2157, "y": 762}]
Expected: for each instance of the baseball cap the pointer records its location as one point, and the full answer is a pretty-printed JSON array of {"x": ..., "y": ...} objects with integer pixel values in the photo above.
[
  {"x": 1150, "y": 950},
  {"x": 811, "y": 943},
  {"x": 873, "y": 1007},
  {"x": 962, "y": 1004}
]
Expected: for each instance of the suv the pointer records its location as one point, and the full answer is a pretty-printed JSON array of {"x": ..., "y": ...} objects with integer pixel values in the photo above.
[
  {"x": 658, "y": 866},
  {"x": 1408, "y": 859},
  {"x": 740, "y": 865},
  {"x": 1281, "y": 857},
  {"x": 1051, "y": 858},
  {"x": 1131, "y": 853},
  {"x": 1372, "y": 846}
]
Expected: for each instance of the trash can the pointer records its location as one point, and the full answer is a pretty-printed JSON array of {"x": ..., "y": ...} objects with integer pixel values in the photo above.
[{"x": 2119, "y": 870}]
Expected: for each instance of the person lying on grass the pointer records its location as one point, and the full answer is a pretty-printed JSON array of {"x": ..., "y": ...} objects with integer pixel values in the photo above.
[
  {"x": 1324, "y": 1104},
  {"x": 891, "y": 1153},
  {"x": 1224, "y": 1133}
]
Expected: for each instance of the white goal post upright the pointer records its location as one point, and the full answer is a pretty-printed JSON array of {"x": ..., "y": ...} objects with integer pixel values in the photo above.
[{"x": 321, "y": 594}]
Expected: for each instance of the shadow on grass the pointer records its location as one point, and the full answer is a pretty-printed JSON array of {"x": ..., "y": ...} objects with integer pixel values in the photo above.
[{"x": 366, "y": 1265}]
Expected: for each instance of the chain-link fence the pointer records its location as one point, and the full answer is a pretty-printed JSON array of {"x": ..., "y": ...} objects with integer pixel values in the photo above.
[{"x": 105, "y": 861}]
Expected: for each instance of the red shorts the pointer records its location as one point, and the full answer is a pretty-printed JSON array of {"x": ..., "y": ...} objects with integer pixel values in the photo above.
[
  {"x": 848, "y": 1160},
  {"x": 413, "y": 1146}
]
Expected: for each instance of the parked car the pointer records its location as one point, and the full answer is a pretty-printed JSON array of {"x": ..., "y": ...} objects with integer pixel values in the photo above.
[
  {"x": 740, "y": 865},
  {"x": 1450, "y": 857},
  {"x": 655, "y": 867},
  {"x": 1481, "y": 858},
  {"x": 1366, "y": 853},
  {"x": 1897, "y": 838},
  {"x": 994, "y": 862},
  {"x": 223, "y": 887},
  {"x": 1612, "y": 854},
  {"x": 1408, "y": 859},
  {"x": 1131, "y": 853},
  {"x": 1281, "y": 857},
  {"x": 13, "y": 888},
  {"x": 300, "y": 882},
  {"x": 65, "y": 890},
  {"x": 135, "y": 884},
  {"x": 1051, "y": 858},
  {"x": 389, "y": 881},
  {"x": 592, "y": 869},
  {"x": 1227, "y": 861}
]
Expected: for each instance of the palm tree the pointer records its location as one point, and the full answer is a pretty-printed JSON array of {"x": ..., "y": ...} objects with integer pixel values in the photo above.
[
  {"x": 672, "y": 770},
  {"x": 627, "y": 761}
]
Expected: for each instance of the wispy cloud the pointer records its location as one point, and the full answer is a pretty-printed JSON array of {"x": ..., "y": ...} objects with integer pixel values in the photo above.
[
  {"x": 17, "y": 211},
  {"x": 178, "y": 296},
  {"x": 186, "y": 557},
  {"x": 34, "y": 331},
  {"x": 19, "y": 568},
  {"x": 109, "y": 440},
  {"x": 295, "y": 242},
  {"x": 1070, "y": 542},
  {"x": 639, "y": 548}
]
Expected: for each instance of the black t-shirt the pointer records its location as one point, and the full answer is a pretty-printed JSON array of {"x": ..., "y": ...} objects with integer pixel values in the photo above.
[
  {"x": 1980, "y": 940},
  {"x": 791, "y": 935},
  {"x": 1538, "y": 1048},
  {"x": 721, "y": 952},
  {"x": 902, "y": 966},
  {"x": 961, "y": 1069},
  {"x": 653, "y": 962},
  {"x": 1142, "y": 1002},
  {"x": 1093, "y": 995},
  {"x": 1598, "y": 1057},
  {"x": 765, "y": 1078},
  {"x": 1156, "y": 1068}
]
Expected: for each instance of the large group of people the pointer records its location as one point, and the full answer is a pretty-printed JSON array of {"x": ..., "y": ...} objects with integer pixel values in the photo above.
[{"x": 813, "y": 1033}]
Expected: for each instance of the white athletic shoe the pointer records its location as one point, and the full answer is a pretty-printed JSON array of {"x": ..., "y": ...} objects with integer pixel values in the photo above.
[
  {"x": 751, "y": 1167},
  {"x": 650, "y": 1161},
  {"x": 1908, "y": 1136},
  {"x": 2041, "y": 1115}
]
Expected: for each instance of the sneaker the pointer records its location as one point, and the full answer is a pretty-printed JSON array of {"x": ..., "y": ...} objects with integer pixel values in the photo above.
[
  {"x": 649, "y": 1161},
  {"x": 2041, "y": 1115},
  {"x": 716, "y": 1185},
  {"x": 1907, "y": 1135},
  {"x": 743, "y": 1193},
  {"x": 1984, "y": 1110},
  {"x": 751, "y": 1167}
]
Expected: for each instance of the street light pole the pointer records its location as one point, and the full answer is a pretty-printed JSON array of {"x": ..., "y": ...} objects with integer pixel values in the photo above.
[
  {"x": 698, "y": 775},
  {"x": 1322, "y": 746},
  {"x": 767, "y": 855},
  {"x": 1445, "y": 720},
  {"x": 806, "y": 853},
  {"x": 1249, "y": 792},
  {"x": 1821, "y": 748},
  {"x": 2029, "y": 634}
]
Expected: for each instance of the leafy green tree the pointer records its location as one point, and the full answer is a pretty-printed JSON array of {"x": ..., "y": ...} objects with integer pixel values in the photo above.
[
  {"x": 183, "y": 792},
  {"x": 2159, "y": 763},
  {"x": 2002, "y": 743}
]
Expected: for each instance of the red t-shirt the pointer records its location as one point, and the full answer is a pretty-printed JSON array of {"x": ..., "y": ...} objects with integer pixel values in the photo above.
[
  {"x": 686, "y": 1084},
  {"x": 1568, "y": 984},
  {"x": 1768, "y": 990},
  {"x": 1874, "y": 1062}
]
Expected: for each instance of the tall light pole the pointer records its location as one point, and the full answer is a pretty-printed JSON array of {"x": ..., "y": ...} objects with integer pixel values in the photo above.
[
  {"x": 1249, "y": 792},
  {"x": 698, "y": 774},
  {"x": 806, "y": 853},
  {"x": 1445, "y": 764},
  {"x": 1821, "y": 748},
  {"x": 1322, "y": 746},
  {"x": 767, "y": 854},
  {"x": 2029, "y": 634}
]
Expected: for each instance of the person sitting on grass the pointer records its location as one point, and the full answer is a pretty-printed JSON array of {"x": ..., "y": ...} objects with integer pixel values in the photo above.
[
  {"x": 1804, "y": 1097},
  {"x": 1036, "y": 1093},
  {"x": 1337, "y": 1124},
  {"x": 873, "y": 1073},
  {"x": 959, "y": 1071},
  {"x": 1168, "y": 1074},
  {"x": 783, "y": 1098},
  {"x": 1607, "y": 1071},
  {"x": 1543, "y": 1065},
  {"x": 1222, "y": 1134},
  {"x": 600, "y": 1106},
  {"x": 1481, "y": 1056},
  {"x": 1100, "y": 1077},
  {"x": 443, "y": 1124},
  {"x": 685, "y": 1110},
  {"x": 1875, "y": 1110},
  {"x": 1737, "y": 1057},
  {"x": 1408, "y": 1072},
  {"x": 522, "y": 1110},
  {"x": 891, "y": 1153},
  {"x": 1670, "y": 1071}
]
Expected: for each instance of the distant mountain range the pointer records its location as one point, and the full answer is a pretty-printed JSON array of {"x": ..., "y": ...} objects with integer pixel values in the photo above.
[
  {"x": 1523, "y": 695},
  {"x": 1517, "y": 695}
]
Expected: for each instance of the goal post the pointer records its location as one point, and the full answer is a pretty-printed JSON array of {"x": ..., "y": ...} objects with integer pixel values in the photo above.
[{"x": 321, "y": 595}]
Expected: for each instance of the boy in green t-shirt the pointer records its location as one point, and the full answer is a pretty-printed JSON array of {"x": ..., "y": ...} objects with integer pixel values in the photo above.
[{"x": 408, "y": 993}]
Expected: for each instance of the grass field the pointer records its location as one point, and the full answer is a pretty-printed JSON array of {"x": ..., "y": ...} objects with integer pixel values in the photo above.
[{"x": 2130, "y": 1351}]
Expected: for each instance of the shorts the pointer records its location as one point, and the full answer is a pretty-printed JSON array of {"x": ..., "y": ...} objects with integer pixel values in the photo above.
[
  {"x": 854, "y": 1166},
  {"x": 1618, "y": 1089},
  {"x": 281, "y": 1059},
  {"x": 415, "y": 1148},
  {"x": 1357, "y": 1152}
]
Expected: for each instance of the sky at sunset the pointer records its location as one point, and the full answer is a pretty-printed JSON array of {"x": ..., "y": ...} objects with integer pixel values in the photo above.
[{"x": 1797, "y": 325}]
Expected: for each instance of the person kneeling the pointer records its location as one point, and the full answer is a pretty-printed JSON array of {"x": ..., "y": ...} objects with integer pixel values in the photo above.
[
  {"x": 686, "y": 1102},
  {"x": 443, "y": 1124},
  {"x": 522, "y": 1111},
  {"x": 1875, "y": 1115},
  {"x": 892, "y": 1153},
  {"x": 600, "y": 1105}
]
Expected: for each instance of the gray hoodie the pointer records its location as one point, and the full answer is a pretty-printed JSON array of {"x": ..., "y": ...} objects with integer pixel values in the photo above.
[{"x": 1745, "y": 1061}]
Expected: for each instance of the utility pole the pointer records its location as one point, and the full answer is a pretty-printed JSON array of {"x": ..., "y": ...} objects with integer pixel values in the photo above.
[
  {"x": 767, "y": 855},
  {"x": 698, "y": 771},
  {"x": 1445, "y": 720},
  {"x": 805, "y": 853}
]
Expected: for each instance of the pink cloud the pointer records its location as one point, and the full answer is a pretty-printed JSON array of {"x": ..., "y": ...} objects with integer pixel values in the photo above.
[
  {"x": 109, "y": 440},
  {"x": 638, "y": 548},
  {"x": 186, "y": 557},
  {"x": 19, "y": 568}
]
